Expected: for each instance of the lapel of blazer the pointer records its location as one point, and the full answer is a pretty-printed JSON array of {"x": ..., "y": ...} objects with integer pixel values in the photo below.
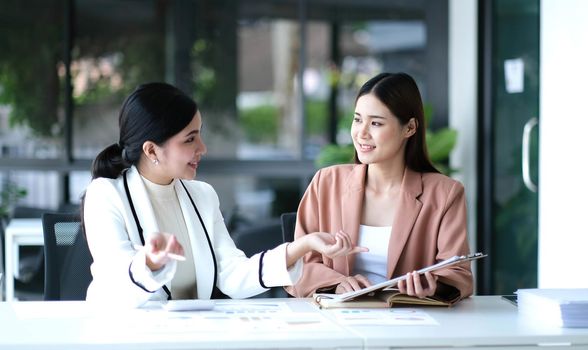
[
  {"x": 142, "y": 204},
  {"x": 203, "y": 260},
  {"x": 351, "y": 209},
  {"x": 408, "y": 210}
]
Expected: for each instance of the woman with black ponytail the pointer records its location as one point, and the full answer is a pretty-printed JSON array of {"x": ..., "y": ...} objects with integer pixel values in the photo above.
[{"x": 155, "y": 233}]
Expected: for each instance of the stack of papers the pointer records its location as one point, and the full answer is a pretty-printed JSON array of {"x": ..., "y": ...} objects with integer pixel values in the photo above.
[{"x": 560, "y": 307}]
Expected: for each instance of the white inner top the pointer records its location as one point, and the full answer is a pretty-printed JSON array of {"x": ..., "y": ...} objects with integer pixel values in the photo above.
[
  {"x": 170, "y": 219},
  {"x": 373, "y": 264}
]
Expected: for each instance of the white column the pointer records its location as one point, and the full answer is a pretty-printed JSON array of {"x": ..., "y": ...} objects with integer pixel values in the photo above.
[
  {"x": 563, "y": 147},
  {"x": 463, "y": 44}
]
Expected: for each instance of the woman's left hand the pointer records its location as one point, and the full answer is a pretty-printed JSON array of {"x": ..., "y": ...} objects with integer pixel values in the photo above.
[
  {"x": 158, "y": 249},
  {"x": 413, "y": 285}
]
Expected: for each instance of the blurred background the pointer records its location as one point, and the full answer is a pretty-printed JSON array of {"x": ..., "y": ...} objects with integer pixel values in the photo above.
[{"x": 275, "y": 81}]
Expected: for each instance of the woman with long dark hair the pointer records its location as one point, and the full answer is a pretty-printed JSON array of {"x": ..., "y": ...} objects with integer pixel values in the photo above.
[
  {"x": 392, "y": 201},
  {"x": 154, "y": 232}
]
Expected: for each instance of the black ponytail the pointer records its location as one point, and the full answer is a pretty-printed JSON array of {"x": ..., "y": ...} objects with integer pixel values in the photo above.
[
  {"x": 153, "y": 112},
  {"x": 109, "y": 163}
]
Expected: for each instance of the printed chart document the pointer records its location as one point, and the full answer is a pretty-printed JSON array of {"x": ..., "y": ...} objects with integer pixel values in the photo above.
[
  {"x": 387, "y": 317},
  {"x": 189, "y": 305},
  {"x": 384, "y": 294}
]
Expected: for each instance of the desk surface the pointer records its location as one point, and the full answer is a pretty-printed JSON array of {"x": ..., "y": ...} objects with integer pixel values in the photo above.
[
  {"x": 25, "y": 232},
  {"x": 234, "y": 324},
  {"x": 485, "y": 322},
  {"x": 481, "y": 321}
]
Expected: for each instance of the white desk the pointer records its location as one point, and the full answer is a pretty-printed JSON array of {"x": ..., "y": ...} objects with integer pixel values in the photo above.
[
  {"x": 242, "y": 325},
  {"x": 481, "y": 322},
  {"x": 19, "y": 232},
  {"x": 477, "y": 323}
]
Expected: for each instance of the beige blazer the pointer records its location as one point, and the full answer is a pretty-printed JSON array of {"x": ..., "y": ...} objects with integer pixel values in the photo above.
[{"x": 430, "y": 226}]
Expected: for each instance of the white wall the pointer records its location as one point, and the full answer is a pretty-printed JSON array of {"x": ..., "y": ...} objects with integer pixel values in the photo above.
[
  {"x": 563, "y": 148},
  {"x": 463, "y": 46}
]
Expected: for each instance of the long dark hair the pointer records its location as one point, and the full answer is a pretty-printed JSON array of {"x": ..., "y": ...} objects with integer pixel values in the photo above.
[
  {"x": 152, "y": 112},
  {"x": 399, "y": 92}
]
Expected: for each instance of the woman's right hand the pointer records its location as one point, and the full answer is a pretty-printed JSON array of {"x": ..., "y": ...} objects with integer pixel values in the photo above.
[
  {"x": 352, "y": 283},
  {"x": 159, "y": 247},
  {"x": 333, "y": 246},
  {"x": 328, "y": 244}
]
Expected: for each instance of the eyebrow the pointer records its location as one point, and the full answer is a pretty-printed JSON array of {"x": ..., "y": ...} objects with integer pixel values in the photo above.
[
  {"x": 193, "y": 132},
  {"x": 372, "y": 116}
]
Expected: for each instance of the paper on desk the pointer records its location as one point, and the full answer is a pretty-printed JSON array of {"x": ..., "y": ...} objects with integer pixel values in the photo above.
[
  {"x": 252, "y": 307},
  {"x": 226, "y": 318},
  {"x": 388, "y": 317}
]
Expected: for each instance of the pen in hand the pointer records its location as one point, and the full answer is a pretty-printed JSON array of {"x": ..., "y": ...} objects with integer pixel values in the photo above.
[{"x": 169, "y": 255}]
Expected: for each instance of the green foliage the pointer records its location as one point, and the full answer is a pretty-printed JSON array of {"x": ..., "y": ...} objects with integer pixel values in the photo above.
[
  {"x": 29, "y": 56},
  {"x": 204, "y": 78},
  {"x": 345, "y": 120},
  {"x": 100, "y": 90},
  {"x": 135, "y": 60},
  {"x": 32, "y": 69},
  {"x": 440, "y": 143},
  {"x": 335, "y": 154},
  {"x": 260, "y": 124},
  {"x": 9, "y": 196},
  {"x": 316, "y": 117}
]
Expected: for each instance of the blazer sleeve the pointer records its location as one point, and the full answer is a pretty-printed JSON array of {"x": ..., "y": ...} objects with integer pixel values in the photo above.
[
  {"x": 317, "y": 271},
  {"x": 242, "y": 277},
  {"x": 119, "y": 273},
  {"x": 452, "y": 240}
]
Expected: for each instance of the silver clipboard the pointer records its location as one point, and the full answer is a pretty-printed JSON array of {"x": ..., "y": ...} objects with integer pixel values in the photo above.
[{"x": 457, "y": 259}]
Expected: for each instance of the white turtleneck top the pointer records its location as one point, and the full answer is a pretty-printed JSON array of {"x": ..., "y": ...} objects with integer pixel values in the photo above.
[{"x": 168, "y": 215}]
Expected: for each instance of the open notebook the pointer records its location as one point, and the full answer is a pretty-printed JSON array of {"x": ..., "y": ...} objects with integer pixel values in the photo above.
[{"x": 334, "y": 300}]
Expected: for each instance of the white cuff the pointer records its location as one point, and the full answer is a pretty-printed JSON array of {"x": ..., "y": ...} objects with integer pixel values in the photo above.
[
  {"x": 275, "y": 273},
  {"x": 151, "y": 280}
]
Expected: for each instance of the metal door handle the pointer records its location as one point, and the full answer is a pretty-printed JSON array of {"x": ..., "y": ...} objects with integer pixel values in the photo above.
[{"x": 526, "y": 163}]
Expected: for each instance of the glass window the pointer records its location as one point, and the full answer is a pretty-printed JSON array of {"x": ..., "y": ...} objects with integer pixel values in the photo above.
[
  {"x": 359, "y": 49},
  {"x": 39, "y": 189},
  {"x": 274, "y": 81},
  {"x": 118, "y": 45},
  {"x": 268, "y": 97},
  {"x": 246, "y": 200},
  {"x": 31, "y": 79}
]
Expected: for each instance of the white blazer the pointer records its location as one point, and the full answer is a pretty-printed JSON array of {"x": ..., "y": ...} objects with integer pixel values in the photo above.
[{"x": 120, "y": 274}]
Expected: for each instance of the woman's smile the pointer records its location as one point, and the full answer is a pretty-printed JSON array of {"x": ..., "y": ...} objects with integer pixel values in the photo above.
[{"x": 365, "y": 147}]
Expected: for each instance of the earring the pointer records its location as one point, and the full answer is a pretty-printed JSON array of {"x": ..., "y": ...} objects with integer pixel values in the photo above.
[{"x": 155, "y": 162}]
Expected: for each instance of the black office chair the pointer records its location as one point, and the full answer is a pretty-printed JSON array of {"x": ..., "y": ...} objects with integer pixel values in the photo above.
[
  {"x": 288, "y": 226},
  {"x": 67, "y": 257},
  {"x": 257, "y": 238}
]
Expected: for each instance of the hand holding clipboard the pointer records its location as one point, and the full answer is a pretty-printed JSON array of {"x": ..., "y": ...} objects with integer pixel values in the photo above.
[{"x": 457, "y": 259}]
